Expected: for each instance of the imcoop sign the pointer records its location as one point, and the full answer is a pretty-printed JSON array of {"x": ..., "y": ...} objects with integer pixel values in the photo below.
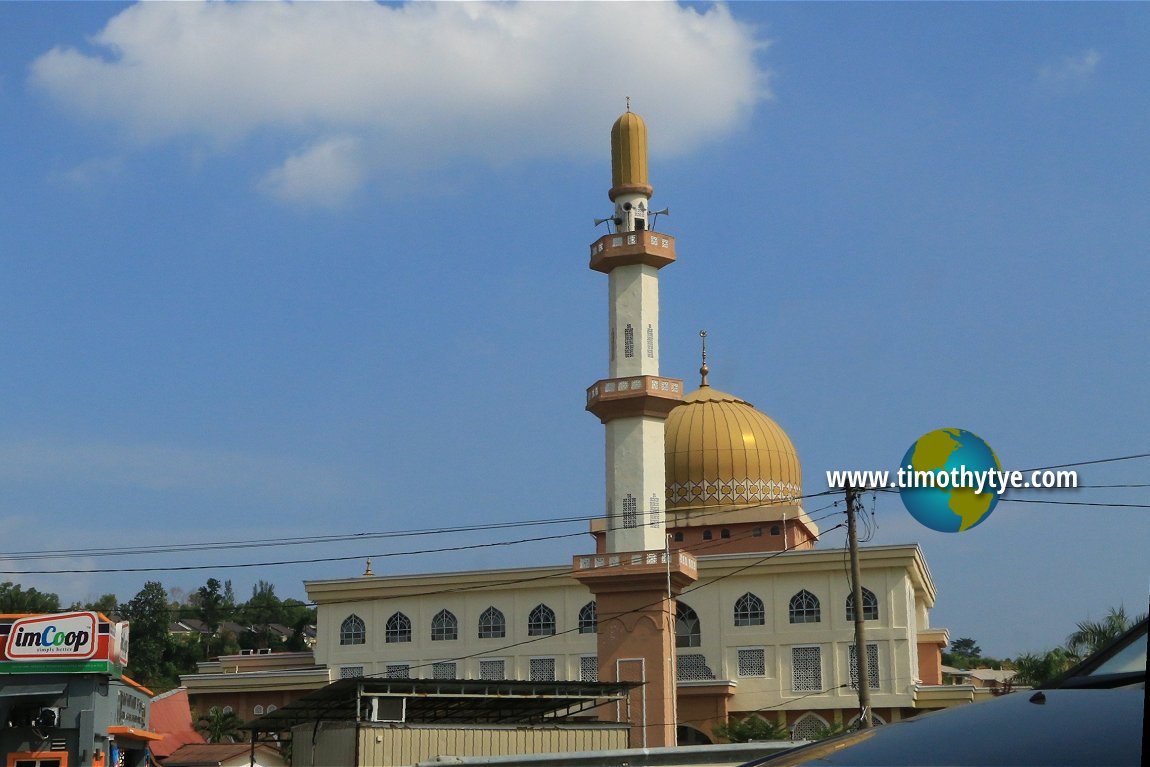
[{"x": 68, "y": 635}]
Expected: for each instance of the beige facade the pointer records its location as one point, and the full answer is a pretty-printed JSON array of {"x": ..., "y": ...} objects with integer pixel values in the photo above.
[{"x": 734, "y": 669}]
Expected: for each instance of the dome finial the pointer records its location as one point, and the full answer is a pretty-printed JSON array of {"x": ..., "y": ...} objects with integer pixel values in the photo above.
[
  {"x": 367, "y": 570},
  {"x": 628, "y": 103},
  {"x": 703, "y": 370}
]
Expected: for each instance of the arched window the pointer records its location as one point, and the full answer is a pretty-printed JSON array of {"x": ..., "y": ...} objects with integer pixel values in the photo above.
[
  {"x": 870, "y": 606},
  {"x": 397, "y": 629},
  {"x": 725, "y": 533},
  {"x": 541, "y": 621},
  {"x": 588, "y": 619},
  {"x": 804, "y": 608},
  {"x": 258, "y": 710},
  {"x": 749, "y": 610},
  {"x": 352, "y": 630},
  {"x": 492, "y": 625},
  {"x": 688, "y": 632},
  {"x": 444, "y": 627},
  {"x": 809, "y": 726},
  {"x": 707, "y": 535}
]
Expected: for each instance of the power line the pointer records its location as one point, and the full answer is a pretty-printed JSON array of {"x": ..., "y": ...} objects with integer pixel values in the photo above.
[{"x": 271, "y": 542}]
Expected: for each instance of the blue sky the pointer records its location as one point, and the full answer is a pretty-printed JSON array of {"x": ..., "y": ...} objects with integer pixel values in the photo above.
[{"x": 289, "y": 271}]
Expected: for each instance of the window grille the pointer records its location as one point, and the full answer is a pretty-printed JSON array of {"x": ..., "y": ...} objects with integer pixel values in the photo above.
[
  {"x": 541, "y": 621},
  {"x": 492, "y": 624},
  {"x": 350, "y": 672},
  {"x": 492, "y": 670},
  {"x": 443, "y": 670},
  {"x": 693, "y": 668},
  {"x": 871, "y": 666},
  {"x": 589, "y": 668},
  {"x": 688, "y": 632},
  {"x": 628, "y": 341},
  {"x": 542, "y": 669},
  {"x": 352, "y": 630},
  {"x": 804, "y": 608},
  {"x": 752, "y": 661},
  {"x": 444, "y": 627},
  {"x": 807, "y": 668},
  {"x": 870, "y": 606},
  {"x": 656, "y": 516},
  {"x": 630, "y": 511},
  {"x": 749, "y": 610},
  {"x": 809, "y": 726},
  {"x": 588, "y": 618},
  {"x": 397, "y": 629},
  {"x": 650, "y": 342},
  {"x": 398, "y": 671}
]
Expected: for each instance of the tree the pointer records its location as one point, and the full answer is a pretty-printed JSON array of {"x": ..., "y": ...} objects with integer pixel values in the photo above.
[
  {"x": 965, "y": 646},
  {"x": 108, "y": 604},
  {"x": 1036, "y": 669},
  {"x": 754, "y": 727},
  {"x": 262, "y": 609},
  {"x": 218, "y": 726},
  {"x": 14, "y": 599},
  {"x": 1092, "y": 636},
  {"x": 147, "y": 613},
  {"x": 211, "y": 609}
]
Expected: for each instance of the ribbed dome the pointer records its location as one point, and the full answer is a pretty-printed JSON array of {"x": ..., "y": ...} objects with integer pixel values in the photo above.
[
  {"x": 629, "y": 156},
  {"x": 721, "y": 451}
]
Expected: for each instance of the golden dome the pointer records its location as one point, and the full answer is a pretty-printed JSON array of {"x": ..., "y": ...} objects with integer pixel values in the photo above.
[
  {"x": 629, "y": 156},
  {"x": 720, "y": 451}
]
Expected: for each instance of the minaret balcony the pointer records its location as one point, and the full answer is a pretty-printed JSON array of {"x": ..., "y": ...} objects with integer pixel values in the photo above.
[
  {"x": 633, "y": 570},
  {"x": 627, "y": 248},
  {"x": 634, "y": 396}
]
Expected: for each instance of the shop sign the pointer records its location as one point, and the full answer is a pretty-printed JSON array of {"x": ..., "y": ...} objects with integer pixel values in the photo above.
[{"x": 67, "y": 636}]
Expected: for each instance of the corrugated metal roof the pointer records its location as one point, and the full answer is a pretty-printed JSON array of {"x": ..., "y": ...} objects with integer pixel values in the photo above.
[{"x": 446, "y": 701}]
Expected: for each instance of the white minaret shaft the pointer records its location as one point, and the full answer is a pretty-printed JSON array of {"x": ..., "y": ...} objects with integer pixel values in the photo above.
[{"x": 633, "y": 403}]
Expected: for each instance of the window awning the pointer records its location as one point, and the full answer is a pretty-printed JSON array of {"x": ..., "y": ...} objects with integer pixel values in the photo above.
[
  {"x": 123, "y": 731},
  {"x": 33, "y": 690}
]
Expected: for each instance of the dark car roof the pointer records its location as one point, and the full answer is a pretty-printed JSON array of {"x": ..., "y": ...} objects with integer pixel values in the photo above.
[{"x": 1087, "y": 716}]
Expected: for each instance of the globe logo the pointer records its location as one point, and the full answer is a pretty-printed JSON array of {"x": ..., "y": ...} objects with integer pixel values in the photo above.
[{"x": 943, "y": 502}]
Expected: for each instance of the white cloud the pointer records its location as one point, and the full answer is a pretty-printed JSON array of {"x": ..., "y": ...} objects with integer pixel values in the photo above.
[
  {"x": 1072, "y": 72},
  {"x": 324, "y": 173},
  {"x": 361, "y": 85}
]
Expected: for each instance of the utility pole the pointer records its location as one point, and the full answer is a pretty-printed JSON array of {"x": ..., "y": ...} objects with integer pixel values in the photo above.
[{"x": 856, "y": 590}]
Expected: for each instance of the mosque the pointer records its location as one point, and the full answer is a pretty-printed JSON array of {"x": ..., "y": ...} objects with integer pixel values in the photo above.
[{"x": 706, "y": 583}]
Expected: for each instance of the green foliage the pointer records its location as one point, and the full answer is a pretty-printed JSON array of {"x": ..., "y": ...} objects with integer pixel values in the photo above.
[
  {"x": 830, "y": 731},
  {"x": 1035, "y": 669},
  {"x": 219, "y": 727},
  {"x": 14, "y": 599},
  {"x": 151, "y": 645},
  {"x": 1092, "y": 636},
  {"x": 754, "y": 727}
]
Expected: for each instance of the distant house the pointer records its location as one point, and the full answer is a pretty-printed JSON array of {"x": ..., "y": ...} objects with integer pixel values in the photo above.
[{"x": 991, "y": 678}]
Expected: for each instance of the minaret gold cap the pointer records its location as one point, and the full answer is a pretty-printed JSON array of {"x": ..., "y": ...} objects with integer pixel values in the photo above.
[{"x": 629, "y": 156}]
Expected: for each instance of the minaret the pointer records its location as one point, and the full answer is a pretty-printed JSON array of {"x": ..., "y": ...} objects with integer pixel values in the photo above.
[
  {"x": 634, "y": 401},
  {"x": 635, "y": 579}
]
